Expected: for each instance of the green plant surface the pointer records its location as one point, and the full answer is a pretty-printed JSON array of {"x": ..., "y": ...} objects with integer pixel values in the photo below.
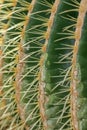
[{"x": 43, "y": 65}]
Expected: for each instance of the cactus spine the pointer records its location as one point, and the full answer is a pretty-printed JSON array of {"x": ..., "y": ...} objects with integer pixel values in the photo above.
[{"x": 43, "y": 65}]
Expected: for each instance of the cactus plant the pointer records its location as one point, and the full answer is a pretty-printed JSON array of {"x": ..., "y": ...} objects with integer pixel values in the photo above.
[{"x": 43, "y": 65}]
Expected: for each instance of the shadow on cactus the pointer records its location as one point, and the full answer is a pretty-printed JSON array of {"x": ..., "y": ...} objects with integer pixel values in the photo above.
[{"x": 43, "y": 71}]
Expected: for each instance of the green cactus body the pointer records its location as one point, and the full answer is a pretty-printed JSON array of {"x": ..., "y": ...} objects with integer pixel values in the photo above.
[{"x": 43, "y": 65}]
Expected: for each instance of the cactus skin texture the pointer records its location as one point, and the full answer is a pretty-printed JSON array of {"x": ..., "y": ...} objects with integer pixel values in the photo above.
[{"x": 43, "y": 65}]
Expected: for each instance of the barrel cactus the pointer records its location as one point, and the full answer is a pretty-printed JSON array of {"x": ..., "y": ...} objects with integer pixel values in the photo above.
[{"x": 43, "y": 70}]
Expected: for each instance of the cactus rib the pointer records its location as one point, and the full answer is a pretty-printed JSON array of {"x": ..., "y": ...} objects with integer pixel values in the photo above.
[
  {"x": 74, "y": 72},
  {"x": 41, "y": 98},
  {"x": 20, "y": 65}
]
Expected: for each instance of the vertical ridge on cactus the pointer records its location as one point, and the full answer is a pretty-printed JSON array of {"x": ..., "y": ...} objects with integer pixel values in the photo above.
[
  {"x": 37, "y": 26},
  {"x": 74, "y": 71},
  {"x": 82, "y": 72},
  {"x": 41, "y": 98},
  {"x": 20, "y": 65}
]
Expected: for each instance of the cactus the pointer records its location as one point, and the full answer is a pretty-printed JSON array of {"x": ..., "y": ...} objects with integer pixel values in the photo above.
[{"x": 43, "y": 65}]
